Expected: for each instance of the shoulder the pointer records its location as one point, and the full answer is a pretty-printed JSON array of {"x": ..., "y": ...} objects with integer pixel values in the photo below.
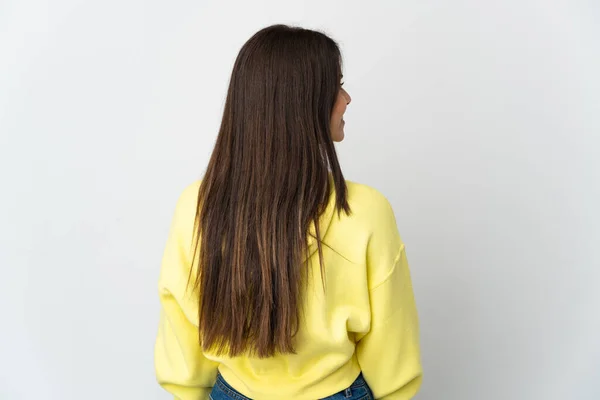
[
  {"x": 368, "y": 202},
  {"x": 372, "y": 212},
  {"x": 188, "y": 197},
  {"x": 185, "y": 209},
  {"x": 373, "y": 215},
  {"x": 370, "y": 224},
  {"x": 189, "y": 194},
  {"x": 360, "y": 191}
]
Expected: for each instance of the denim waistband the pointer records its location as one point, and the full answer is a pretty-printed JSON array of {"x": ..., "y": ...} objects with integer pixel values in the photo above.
[{"x": 234, "y": 394}]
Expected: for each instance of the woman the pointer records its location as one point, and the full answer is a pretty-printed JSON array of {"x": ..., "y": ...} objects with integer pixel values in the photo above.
[{"x": 280, "y": 280}]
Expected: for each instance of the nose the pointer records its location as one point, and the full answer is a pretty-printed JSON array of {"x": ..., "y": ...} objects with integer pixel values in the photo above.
[{"x": 348, "y": 98}]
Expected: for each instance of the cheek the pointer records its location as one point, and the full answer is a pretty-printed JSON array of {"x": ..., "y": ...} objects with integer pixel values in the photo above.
[{"x": 340, "y": 110}]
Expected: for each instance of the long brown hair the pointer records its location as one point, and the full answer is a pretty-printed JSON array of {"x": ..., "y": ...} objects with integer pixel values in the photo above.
[{"x": 267, "y": 181}]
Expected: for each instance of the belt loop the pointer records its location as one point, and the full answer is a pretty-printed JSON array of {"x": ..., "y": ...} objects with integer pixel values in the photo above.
[{"x": 348, "y": 393}]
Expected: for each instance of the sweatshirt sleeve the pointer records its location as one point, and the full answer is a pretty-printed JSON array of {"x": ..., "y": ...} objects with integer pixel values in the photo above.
[
  {"x": 180, "y": 365},
  {"x": 389, "y": 353}
]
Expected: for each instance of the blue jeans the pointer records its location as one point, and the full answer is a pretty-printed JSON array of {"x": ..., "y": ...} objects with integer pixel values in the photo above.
[{"x": 359, "y": 390}]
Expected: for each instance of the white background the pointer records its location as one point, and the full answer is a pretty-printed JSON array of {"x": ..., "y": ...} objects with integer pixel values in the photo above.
[{"x": 479, "y": 120}]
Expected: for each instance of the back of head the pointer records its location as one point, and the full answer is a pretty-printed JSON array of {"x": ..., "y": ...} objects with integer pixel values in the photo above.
[{"x": 267, "y": 180}]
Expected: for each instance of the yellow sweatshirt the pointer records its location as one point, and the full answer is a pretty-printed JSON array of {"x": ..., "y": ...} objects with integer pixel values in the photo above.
[{"x": 365, "y": 320}]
